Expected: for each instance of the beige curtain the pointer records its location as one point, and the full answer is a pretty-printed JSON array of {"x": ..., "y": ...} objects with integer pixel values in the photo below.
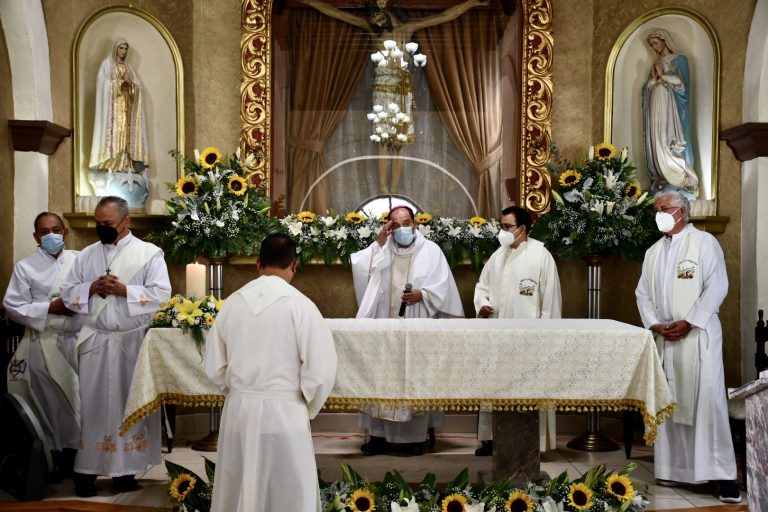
[
  {"x": 328, "y": 59},
  {"x": 464, "y": 76}
]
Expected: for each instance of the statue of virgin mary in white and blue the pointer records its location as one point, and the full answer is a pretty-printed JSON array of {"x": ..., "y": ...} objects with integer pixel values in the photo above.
[{"x": 667, "y": 119}]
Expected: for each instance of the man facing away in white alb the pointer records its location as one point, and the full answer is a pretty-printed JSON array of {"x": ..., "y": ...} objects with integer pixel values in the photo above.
[{"x": 273, "y": 355}]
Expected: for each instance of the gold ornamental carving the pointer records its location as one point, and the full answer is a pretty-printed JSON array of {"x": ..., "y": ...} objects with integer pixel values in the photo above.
[
  {"x": 536, "y": 118},
  {"x": 255, "y": 88}
]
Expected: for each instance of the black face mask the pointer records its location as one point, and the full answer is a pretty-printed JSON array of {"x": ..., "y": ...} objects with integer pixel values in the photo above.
[{"x": 107, "y": 234}]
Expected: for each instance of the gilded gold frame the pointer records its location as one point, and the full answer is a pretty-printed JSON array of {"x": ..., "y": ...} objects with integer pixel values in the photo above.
[
  {"x": 535, "y": 107},
  {"x": 179, "y": 68},
  {"x": 711, "y": 35}
]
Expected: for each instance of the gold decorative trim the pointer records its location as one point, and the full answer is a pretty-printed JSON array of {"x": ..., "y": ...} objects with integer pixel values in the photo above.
[
  {"x": 256, "y": 85},
  {"x": 536, "y": 106},
  {"x": 172, "y": 399},
  {"x": 174, "y": 49},
  {"x": 536, "y": 99},
  {"x": 611, "y": 66}
]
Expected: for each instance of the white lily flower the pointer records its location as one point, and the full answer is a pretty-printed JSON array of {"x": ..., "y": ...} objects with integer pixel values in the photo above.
[
  {"x": 219, "y": 223},
  {"x": 197, "y": 156},
  {"x": 294, "y": 228},
  {"x": 610, "y": 179},
  {"x": 623, "y": 154},
  {"x": 364, "y": 232},
  {"x": 591, "y": 154},
  {"x": 328, "y": 221},
  {"x": 314, "y": 231},
  {"x": 550, "y": 505},
  {"x": 609, "y": 206},
  {"x": 599, "y": 207},
  {"x": 573, "y": 195},
  {"x": 477, "y": 232},
  {"x": 249, "y": 160},
  {"x": 454, "y": 231},
  {"x": 425, "y": 230},
  {"x": 642, "y": 197},
  {"x": 477, "y": 507}
]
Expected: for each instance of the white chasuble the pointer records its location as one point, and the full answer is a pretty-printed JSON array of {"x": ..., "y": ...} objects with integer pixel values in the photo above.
[
  {"x": 380, "y": 275},
  {"x": 273, "y": 354},
  {"x": 43, "y": 368},
  {"x": 521, "y": 282},
  {"x": 107, "y": 349},
  {"x": 673, "y": 268}
]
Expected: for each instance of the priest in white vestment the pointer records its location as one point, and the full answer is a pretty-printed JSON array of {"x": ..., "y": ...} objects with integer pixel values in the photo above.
[
  {"x": 43, "y": 368},
  {"x": 519, "y": 280},
  {"x": 116, "y": 284},
  {"x": 401, "y": 256},
  {"x": 682, "y": 285},
  {"x": 273, "y": 355}
]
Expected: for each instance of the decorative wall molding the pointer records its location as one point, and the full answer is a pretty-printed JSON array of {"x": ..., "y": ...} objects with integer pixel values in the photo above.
[
  {"x": 747, "y": 141},
  {"x": 41, "y": 136}
]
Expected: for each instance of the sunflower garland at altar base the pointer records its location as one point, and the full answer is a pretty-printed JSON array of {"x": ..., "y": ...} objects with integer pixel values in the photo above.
[
  {"x": 599, "y": 207},
  {"x": 188, "y": 492},
  {"x": 192, "y": 315},
  {"x": 219, "y": 209},
  {"x": 335, "y": 237}
]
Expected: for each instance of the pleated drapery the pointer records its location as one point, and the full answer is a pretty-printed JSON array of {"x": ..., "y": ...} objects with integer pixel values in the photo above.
[
  {"x": 464, "y": 75},
  {"x": 328, "y": 58}
]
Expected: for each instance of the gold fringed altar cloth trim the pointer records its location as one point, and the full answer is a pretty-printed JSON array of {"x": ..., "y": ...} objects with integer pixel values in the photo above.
[
  {"x": 169, "y": 399},
  {"x": 451, "y": 364}
]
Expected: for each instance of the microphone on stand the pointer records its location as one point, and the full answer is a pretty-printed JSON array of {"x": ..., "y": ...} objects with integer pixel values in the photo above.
[{"x": 408, "y": 288}]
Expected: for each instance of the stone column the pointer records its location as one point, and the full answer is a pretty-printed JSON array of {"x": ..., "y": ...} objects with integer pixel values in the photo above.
[{"x": 516, "y": 445}]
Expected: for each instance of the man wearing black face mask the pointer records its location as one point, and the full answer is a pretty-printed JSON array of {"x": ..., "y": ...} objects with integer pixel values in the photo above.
[
  {"x": 43, "y": 367},
  {"x": 116, "y": 284}
]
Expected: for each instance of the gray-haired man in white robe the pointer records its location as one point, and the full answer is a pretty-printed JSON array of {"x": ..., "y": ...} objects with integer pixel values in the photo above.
[
  {"x": 116, "y": 284},
  {"x": 679, "y": 294}
]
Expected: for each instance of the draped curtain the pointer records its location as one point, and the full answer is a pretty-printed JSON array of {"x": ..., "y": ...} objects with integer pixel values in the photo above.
[
  {"x": 328, "y": 58},
  {"x": 464, "y": 75}
]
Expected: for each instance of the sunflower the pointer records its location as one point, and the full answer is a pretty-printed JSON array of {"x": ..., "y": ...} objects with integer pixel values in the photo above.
[
  {"x": 580, "y": 497},
  {"x": 384, "y": 217},
  {"x": 621, "y": 487},
  {"x": 187, "y": 186},
  {"x": 362, "y": 500},
  {"x": 454, "y": 503},
  {"x": 477, "y": 221},
  {"x": 237, "y": 185},
  {"x": 209, "y": 319},
  {"x": 605, "y": 151},
  {"x": 355, "y": 217},
  {"x": 160, "y": 315},
  {"x": 210, "y": 157},
  {"x": 518, "y": 501},
  {"x": 569, "y": 178},
  {"x": 423, "y": 218},
  {"x": 182, "y": 486},
  {"x": 307, "y": 217},
  {"x": 633, "y": 190}
]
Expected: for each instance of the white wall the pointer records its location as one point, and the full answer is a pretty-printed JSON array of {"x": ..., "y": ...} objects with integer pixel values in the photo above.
[
  {"x": 27, "y": 41},
  {"x": 754, "y": 219}
]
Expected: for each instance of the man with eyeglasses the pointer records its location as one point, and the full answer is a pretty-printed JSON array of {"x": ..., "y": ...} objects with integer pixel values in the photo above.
[
  {"x": 115, "y": 284},
  {"x": 43, "y": 368},
  {"x": 519, "y": 280},
  {"x": 682, "y": 285}
]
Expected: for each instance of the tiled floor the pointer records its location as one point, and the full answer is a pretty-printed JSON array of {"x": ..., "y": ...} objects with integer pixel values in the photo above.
[{"x": 453, "y": 452}]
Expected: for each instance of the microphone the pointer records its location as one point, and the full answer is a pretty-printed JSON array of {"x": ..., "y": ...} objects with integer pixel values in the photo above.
[{"x": 408, "y": 288}]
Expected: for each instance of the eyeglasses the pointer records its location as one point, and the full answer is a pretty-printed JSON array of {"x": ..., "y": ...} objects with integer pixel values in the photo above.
[{"x": 507, "y": 227}]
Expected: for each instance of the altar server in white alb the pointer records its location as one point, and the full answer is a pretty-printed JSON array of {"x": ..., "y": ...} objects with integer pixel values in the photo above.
[
  {"x": 402, "y": 256},
  {"x": 273, "y": 355},
  {"x": 43, "y": 369},
  {"x": 116, "y": 284},
  {"x": 679, "y": 294},
  {"x": 519, "y": 280}
]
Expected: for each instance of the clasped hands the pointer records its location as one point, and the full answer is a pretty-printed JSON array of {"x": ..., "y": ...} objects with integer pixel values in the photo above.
[
  {"x": 57, "y": 307},
  {"x": 673, "y": 331},
  {"x": 108, "y": 285}
]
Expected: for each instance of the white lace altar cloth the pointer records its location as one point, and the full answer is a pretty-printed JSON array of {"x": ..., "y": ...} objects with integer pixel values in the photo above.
[{"x": 461, "y": 364}]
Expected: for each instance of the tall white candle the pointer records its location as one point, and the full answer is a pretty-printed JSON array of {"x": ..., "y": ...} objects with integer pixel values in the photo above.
[{"x": 196, "y": 280}]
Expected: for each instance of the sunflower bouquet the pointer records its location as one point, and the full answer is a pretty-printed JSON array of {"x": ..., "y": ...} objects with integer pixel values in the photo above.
[
  {"x": 599, "y": 208},
  {"x": 473, "y": 238},
  {"x": 190, "y": 314},
  {"x": 187, "y": 491},
  {"x": 219, "y": 208}
]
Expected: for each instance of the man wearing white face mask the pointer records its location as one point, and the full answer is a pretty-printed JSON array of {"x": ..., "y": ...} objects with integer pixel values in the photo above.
[
  {"x": 400, "y": 256},
  {"x": 43, "y": 368},
  {"x": 519, "y": 281},
  {"x": 682, "y": 285}
]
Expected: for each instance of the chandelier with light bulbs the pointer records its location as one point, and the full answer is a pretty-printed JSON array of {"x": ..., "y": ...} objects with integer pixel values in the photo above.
[{"x": 393, "y": 103}]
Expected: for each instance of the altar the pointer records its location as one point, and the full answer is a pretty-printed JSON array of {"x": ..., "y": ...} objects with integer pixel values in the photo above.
[{"x": 453, "y": 365}]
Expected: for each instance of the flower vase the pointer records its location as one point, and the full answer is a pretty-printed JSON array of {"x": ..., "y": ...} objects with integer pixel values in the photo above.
[
  {"x": 593, "y": 440},
  {"x": 210, "y": 442}
]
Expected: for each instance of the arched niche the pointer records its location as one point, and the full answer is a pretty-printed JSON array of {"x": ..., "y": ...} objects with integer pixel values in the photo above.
[{"x": 532, "y": 125}]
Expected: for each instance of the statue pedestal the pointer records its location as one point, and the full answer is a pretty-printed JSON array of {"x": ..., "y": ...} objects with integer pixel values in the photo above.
[{"x": 133, "y": 187}]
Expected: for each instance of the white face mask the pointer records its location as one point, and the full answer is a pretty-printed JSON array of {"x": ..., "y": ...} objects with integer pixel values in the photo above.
[
  {"x": 506, "y": 238},
  {"x": 665, "y": 221},
  {"x": 404, "y": 235}
]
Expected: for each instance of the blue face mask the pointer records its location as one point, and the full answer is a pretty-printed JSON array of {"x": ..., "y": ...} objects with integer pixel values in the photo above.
[
  {"x": 404, "y": 235},
  {"x": 52, "y": 243}
]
